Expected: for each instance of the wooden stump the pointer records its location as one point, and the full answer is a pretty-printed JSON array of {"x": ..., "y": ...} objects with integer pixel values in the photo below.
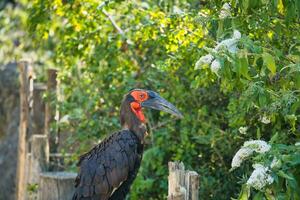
[
  {"x": 56, "y": 185},
  {"x": 183, "y": 184}
]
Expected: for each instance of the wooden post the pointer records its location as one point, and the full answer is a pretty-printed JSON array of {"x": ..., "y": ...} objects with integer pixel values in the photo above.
[
  {"x": 24, "y": 77},
  {"x": 38, "y": 114},
  {"x": 176, "y": 178},
  {"x": 192, "y": 185},
  {"x": 38, "y": 162},
  {"x": 50, "y": 111},
  {"x": 56, "y": 185},
  {"x": 183, "y": 184},
  {"x": 39, "y": 157}
]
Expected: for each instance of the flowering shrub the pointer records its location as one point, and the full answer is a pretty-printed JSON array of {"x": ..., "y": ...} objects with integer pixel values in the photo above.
[
  {"x": 232, "y": 68},
  {"x": 270, "y": 169}
]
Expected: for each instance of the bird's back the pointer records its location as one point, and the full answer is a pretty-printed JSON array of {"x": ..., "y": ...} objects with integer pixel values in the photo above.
[{"x": 107, "y": 171}]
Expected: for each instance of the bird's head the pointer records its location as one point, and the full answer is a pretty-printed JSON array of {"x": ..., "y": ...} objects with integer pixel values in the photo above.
[{"x": 139, "y": 99}]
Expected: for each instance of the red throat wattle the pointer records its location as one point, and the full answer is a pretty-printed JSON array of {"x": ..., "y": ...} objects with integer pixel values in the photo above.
[{"x": 137, "y": 110}]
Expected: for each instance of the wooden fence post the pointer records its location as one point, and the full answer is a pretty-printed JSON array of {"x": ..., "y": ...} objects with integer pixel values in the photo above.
[
  {"x": 50, "y": 111},
  {"x": 176, "y": 177},
  {"x": 56, "y": 185},
  {"x": 39, "y": 157},
  {"x": 38, "y": 109},
  {"x": 38, "y": 162},
  {"x": 192, "y": 185},
  {"x": 183, "y": 184},
  {"x": 25, "y": 78}
]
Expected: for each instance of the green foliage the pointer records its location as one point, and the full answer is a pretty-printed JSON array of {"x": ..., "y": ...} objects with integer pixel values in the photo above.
[
  {"x": 157, "y": 46},
  {"x": 15, "y": 41}
]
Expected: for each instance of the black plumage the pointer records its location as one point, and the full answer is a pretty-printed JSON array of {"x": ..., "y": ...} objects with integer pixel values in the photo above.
[{"x": 108, "y": 170}]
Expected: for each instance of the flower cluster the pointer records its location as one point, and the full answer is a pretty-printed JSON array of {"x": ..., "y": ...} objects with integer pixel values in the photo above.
[
  {"x": 249, "y": 147},
  {"x": 259, "y": 146},
  {"x": 240, "y": 156},
  {"x": 260, "y": 177},
  {"x": 225, "y": 11},
  {"x": 243, "y": 130},
  {"x": 265, "y": 120},
  {"x": 215, "y": 64}
]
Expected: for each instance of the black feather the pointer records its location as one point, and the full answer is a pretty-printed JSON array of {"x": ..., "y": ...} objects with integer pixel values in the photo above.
[{"x": 108, "y": 170}]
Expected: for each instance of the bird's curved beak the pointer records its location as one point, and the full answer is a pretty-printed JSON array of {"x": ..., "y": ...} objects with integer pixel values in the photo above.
[{"x": 158, "y": 103}]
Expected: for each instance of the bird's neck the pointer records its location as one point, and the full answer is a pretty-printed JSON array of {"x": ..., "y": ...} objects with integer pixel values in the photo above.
[{"x": 130, "y": 121}]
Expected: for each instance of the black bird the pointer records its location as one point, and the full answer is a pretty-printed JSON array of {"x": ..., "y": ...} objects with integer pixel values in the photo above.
[{"x": 108, "y": 170}]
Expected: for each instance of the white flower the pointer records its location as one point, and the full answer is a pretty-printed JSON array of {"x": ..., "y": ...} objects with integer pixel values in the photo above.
[
  {"x": 225, "y": 11},
  {"x": 297, "y": 144},
  {"x": 265, "y": 120},
  {"x": 204, "y": 60},
  {"x": 215, "y": 66},
  {"x": 177, "y": 10},
  {"x": 260, "y": 177},
  {"x": 64, "y": 119},
  {"x": 240, "y": 156},
  {"x": 231, "y": 43},
  {"x": 236, "y": 34},
  {"x": 249, "y": 147},
  {"x": 243, "y": 130},
  {"x": 258, "y": 146},
  {"x": 275, "y": 163}
]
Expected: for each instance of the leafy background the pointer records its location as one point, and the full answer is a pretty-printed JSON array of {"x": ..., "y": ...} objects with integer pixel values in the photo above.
[{"x": 156, "y": 45}]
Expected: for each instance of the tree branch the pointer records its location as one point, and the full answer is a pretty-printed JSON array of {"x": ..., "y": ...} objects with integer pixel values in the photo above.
[{"x": 121, "y": 32}]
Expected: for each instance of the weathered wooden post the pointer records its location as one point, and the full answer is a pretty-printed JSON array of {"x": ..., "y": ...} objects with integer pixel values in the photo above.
[
  {"x": 37, "y": 162},
  {"x": 176, "y": 178},
  {"x": 50, "y": 111},
  {"x": 38, "y": 108},
  {"x": 56, "y": 186},
  {"x": 192, "y": 185},
  {"x": 25, "y": 79},
  {"x": 183, "y": 184},
  {"x": 38, "y": 146}
]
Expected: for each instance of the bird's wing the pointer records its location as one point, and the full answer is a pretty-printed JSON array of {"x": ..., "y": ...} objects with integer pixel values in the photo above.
[{"x": 106, "y": 166}]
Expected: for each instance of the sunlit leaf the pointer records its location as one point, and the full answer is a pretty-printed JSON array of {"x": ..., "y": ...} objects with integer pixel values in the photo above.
[
  {"x": 245, "y": 193},
  {"x": 269, "y": 62}
]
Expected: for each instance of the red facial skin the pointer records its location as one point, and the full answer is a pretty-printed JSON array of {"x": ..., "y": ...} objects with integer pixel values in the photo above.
[{"x": 139, "y": 97}]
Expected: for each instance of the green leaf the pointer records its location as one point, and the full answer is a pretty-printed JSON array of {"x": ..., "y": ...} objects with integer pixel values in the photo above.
[
  {"x": 269, "y": 62},
  {"x": 242, "y": 65},
  {"x": 245, "y": 193},
  {"x": 269, "y": 196},
  {"x": 262, "y": 99},
  {"x": 284, "y": 175},
  {"x": 274, "y": 138},
  {"x": 258, "y": 196}
]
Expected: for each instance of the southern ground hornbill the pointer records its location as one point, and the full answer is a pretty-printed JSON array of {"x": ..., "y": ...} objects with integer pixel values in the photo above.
[{"x": 108, "y": 170}]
